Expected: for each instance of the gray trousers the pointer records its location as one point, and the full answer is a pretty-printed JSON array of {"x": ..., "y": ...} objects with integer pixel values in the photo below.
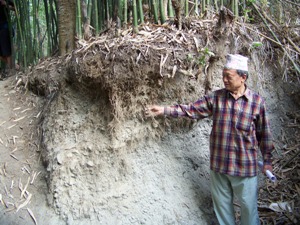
[{"x": 223, "y": 189}]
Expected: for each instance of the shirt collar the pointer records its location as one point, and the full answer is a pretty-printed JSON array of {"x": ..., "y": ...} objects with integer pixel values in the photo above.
[{"x": 247, "y": 94}]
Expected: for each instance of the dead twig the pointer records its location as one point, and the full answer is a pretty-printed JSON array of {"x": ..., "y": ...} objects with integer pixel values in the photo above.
[
  {"x": 25, "y": 202},
  {"x": 294, "y": 157},
  {"x": 35, "y": 174},
  {"x": 32, "y": 216},
  {"x": 13, "y": 156},
  {"x": 25, "y": 188}
]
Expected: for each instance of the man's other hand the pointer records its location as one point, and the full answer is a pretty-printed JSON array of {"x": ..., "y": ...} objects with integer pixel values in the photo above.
[{"x": 268, "y": 167}]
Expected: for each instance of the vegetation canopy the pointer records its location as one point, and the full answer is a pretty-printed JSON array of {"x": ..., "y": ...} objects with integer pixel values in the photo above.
[{"x": 36, "y": 23}]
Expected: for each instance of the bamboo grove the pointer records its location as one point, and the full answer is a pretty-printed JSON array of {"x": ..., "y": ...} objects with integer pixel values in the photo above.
[{"x": 35, "y": 22}]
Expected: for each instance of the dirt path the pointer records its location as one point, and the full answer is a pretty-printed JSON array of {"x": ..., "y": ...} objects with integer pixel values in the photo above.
[{"x": 22, "y": 177}]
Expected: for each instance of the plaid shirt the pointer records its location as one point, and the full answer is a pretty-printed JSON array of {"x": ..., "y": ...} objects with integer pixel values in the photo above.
[{"x": 240, "y": 128}]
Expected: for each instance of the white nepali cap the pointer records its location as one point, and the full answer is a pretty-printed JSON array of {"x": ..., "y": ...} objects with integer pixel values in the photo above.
[{"x": 236, "y": 62}]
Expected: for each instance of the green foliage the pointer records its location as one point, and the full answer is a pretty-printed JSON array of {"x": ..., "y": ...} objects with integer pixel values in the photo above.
[
  {"x": 246, "y": 14},
  {"x": 264, "y": 3},
  {"x": 204, "y": 55},
  {"x": 256, "y": 44},
  {"x": 249, "y": 2},
  {"x": 201, "y": 58}
]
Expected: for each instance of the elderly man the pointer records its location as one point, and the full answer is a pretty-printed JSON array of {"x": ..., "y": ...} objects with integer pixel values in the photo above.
[{"x": 240, "y": 129}]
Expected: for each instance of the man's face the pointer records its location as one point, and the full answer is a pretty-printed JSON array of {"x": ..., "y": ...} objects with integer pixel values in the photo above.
[{"x": 232, "y": 80}]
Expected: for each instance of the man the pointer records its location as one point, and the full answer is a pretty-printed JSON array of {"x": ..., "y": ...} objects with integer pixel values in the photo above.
[
  {"x": 5, "y": 40},
  {"x": 240, "y": 128}
]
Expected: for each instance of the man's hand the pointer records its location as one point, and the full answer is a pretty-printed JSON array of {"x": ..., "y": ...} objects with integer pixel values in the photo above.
[
  {"x": 267, "y": 167},
  {"x": 154, "y": 110}
]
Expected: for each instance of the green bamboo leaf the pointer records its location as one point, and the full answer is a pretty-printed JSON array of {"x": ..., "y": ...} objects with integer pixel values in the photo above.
[{"x": 256, "y": 44}]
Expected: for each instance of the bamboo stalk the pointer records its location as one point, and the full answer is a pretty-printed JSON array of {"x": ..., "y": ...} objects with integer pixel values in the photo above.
[
  {"x": 96, "y": 18},
  {"x": 135, "y": 20},
  {"x": 170, "y": 9},
  {"x": 155, "y": 13},
  {"x": 78, "y": 20},
  {"x": 141, "y": 14},
  {"x": 203, "y": 9},
  {"x": 34, "y": 26},
  {"x": 162, "y": 12},
  {"x": 196, "y": 7},
  {"x": 125, "y": 13},
  {"x": 186, "y": 8}
]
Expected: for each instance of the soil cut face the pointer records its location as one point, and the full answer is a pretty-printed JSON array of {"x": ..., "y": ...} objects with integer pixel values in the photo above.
[{"x": 79, "y": 150}]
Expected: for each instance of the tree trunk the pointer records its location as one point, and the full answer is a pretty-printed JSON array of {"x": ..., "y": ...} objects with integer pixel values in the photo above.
[{"x": 66, "y": 25}]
